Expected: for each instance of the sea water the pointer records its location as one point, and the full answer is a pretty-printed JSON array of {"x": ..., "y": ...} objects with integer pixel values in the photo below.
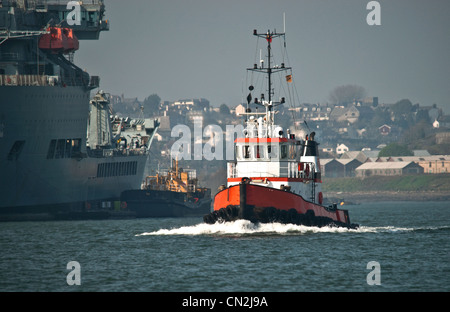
[{"x": 408, "y": 242}]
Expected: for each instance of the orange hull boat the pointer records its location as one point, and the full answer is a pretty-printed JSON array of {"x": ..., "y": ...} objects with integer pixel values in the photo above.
[{"x": 276, "y": 176}]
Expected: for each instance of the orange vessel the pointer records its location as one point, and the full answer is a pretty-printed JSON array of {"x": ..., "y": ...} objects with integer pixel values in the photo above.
[{"x": 276, "y": 176}]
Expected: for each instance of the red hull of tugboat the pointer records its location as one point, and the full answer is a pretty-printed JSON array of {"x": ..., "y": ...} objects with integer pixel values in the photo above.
[{"x": 264, "y": 204}]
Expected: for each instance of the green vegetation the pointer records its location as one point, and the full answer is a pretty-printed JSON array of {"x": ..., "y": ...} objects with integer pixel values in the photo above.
[
  {"x": 395, "y": 149},
  {"x": 425, "y": 183},
  {"x": 151, "y": 103},
  {"x": 347, "y": 94},
  {"x": 224, "y": 109}
]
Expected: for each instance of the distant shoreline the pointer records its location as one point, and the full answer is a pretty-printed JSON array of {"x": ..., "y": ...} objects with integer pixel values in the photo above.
[{"x": 375, "y": 196}]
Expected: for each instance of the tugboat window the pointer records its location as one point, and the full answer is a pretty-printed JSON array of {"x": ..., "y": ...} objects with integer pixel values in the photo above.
[
  {"x": 299, "y": 151},
  {"x": 246, "y": 151},
  {"x": 284, "y": 152},
  {"x": 260, "y": 152},
  {"x": 238, "y": 152},
  {"x": 292, "y": 152},
  {"x": 273, "y": 151}
]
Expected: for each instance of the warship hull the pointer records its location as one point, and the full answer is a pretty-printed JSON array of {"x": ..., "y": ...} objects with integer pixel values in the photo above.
[
  {"x": 62, "y": 154},
  {"x": 34, "y": 181}
]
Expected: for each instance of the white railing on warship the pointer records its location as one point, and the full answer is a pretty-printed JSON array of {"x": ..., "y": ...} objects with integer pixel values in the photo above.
[
  {"x": 45, "y": 80},
  {"x": 40, "y": 4},
  {"x": 111, "y": 152}
]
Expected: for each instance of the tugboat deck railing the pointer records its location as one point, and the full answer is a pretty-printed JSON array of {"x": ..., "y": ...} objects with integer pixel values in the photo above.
[{"x": 289, "y": 171}]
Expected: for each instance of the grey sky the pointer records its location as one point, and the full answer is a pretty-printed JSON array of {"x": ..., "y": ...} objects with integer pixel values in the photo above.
[{"x": 200, "y": 48}]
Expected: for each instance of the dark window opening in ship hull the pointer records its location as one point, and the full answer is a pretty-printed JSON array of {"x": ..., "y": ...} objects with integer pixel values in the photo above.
[
  {"x": 15, "y": 150},
  {"x": 51, "y": 149},
  {"x": 64, "y": 148},
  {"x": 125, "y": 168}
]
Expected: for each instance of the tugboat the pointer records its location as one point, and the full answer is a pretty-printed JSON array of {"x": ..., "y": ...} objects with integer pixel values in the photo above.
[
  {"x": 170, "y": 193},
  {"x": 276, "y": 176}
]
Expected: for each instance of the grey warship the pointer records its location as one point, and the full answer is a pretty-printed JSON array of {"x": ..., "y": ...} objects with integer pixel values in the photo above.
[{"x": 63, "y": 155}]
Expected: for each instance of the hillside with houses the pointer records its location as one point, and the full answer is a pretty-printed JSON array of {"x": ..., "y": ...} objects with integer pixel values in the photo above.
[{"x": 351, "y": 134}]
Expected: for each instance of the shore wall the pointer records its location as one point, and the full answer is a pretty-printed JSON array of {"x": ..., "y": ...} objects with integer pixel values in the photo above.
[{"x": 377, "y": 196}]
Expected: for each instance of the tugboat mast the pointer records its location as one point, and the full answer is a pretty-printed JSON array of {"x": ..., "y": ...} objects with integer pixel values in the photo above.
[{"x": 269, "y": 70}]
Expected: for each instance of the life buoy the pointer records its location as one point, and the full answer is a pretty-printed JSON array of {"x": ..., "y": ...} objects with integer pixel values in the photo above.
[
  {"x": 320, "y": 198},
  {"x": 123, "y": 205}
]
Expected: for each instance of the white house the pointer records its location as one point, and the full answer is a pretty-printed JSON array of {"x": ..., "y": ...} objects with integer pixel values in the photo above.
[
  {"x": 240, "y": 109},
  {"x": 341, "y": 149},
  {"x": 436, "y": 124}
]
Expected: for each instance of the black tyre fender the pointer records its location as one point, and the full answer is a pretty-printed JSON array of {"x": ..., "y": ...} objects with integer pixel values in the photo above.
[
  {"x": 222, "y": 213},
  {"x": 270, "y": 214},
  {"x": 283, "y": 216},
  {"x": 292, "y": 215},
  {"x": 309, "y": 217}
]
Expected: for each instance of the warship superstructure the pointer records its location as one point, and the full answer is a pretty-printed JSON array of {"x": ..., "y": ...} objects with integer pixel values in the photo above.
[{"x": 62, "y": 154}]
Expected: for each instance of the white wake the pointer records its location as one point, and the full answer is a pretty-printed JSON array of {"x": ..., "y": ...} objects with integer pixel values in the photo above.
[{"x": 245, "y": 227}]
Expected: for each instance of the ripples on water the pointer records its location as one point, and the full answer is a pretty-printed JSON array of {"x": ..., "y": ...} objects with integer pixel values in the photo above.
[{"x": 409, "y": 240}]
